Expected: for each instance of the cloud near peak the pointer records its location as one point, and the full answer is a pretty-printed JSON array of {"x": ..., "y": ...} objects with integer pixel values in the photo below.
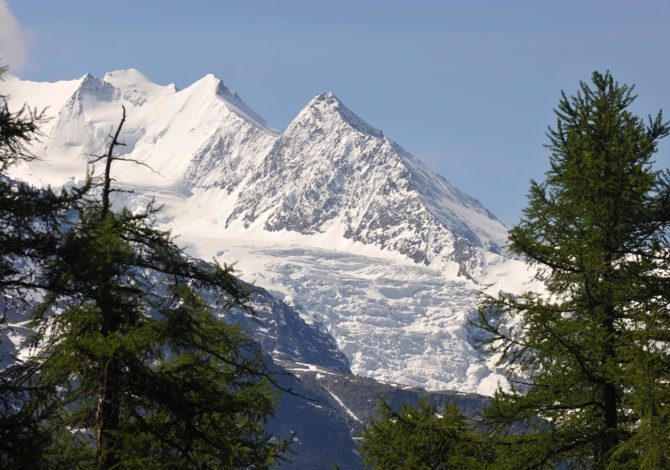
[{"x": 13, "y": 39}]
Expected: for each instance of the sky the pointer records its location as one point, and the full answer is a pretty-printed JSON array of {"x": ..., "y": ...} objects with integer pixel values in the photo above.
[{"x": 468, "y": 87}]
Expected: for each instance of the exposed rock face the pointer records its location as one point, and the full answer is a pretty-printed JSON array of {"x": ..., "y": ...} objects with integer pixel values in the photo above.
[{"x": 330, "y": 171}]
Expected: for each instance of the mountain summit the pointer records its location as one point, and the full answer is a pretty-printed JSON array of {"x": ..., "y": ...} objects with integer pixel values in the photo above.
[{"x": 330, "y": 171}]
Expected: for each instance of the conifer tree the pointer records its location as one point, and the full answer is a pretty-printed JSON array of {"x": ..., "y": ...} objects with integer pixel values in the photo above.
[
  {"x": 27, "y": 214},
  {"x": 421, "y": 438},
  {"x": 27, "y": 218},
  {"x": 148, "y": 376},
  {"x": 589, "y": 361}
]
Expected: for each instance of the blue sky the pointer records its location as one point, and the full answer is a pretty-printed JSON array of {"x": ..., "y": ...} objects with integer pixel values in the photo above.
[{"x": 466, "y": 86}]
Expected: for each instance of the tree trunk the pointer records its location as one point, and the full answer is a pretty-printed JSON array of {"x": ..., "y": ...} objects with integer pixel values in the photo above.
[{"x": 108, "y": 408}]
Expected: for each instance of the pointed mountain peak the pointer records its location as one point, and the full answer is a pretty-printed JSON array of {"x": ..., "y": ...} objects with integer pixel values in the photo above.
[
  {"x": 326, "y": 107},
  {"x": 328, "y": 97},
  {"x": 210, "y": 85},
  {"x": 89, "y": 85},
  {"x": 87, "y": 78}
]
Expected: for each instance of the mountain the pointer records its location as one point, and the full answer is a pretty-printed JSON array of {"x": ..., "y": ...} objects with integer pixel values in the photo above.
[
  {"x": 328, "y": 173},
  {"x": 203, "y": 135},
  {"x": 332, "y": 172},
  {"x": 369, "y": 245}
]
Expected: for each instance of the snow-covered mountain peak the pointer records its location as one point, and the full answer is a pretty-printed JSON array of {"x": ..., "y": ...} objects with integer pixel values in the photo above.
[
  {"x": 92, "y": 87},
  {"x": 127, "y": 78},
  {"x": 326, "y": 110},
  {"x": 210, "y": 85},
  {"x": 202, "y": 135},
  {"x": 133, "y": 80},
  {"x": 332, "y": 176}
]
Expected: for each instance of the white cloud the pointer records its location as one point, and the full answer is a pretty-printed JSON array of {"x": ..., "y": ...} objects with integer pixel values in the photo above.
[{"x": 13, "y": 39}]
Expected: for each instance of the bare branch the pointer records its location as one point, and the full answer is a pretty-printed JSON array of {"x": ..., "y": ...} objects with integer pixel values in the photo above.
[
  {"x": 107, "y": 181},
  {"x": 137, "y": 162}
]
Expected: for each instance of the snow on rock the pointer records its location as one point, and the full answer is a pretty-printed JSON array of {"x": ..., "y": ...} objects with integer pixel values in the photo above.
[
  {"x": 203, "y": 135},
  {"x": 135, "y": 87},
  {"x": 381, "y": 254},
  {"x": 331, "y": 171}
]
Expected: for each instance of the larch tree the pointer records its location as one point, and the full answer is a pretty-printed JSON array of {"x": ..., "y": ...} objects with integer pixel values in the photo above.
[
  {"x": 589, "y": 360},
  {"x": 420, "y": 438},
  {"x": 28, "y": 217},
  {"x": 150, "y": 377}
]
